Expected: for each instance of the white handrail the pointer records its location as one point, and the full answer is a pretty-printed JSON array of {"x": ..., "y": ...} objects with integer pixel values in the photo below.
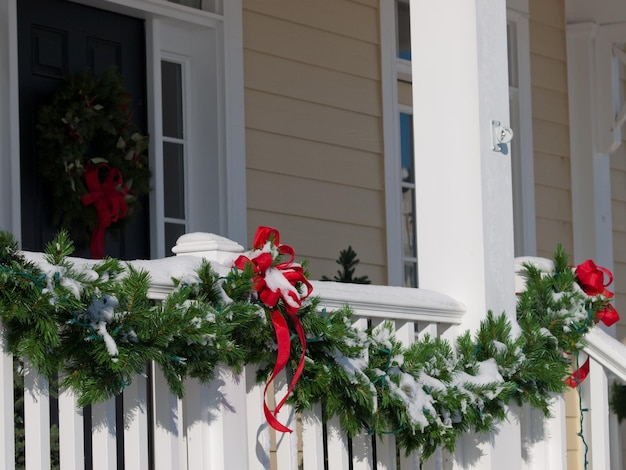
[{"x": 607, "y": 351}]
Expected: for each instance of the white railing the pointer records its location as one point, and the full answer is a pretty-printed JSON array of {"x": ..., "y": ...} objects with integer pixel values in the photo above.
[
  {"x": 218, "y": 425},
  {"x": 221, "y": 425}
]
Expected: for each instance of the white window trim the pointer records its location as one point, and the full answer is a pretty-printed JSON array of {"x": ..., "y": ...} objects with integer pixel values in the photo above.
[
  {"x": 391, "y": 147},
  {"x": 526, "y": 228},
  {"x": 231, "y": 126}
]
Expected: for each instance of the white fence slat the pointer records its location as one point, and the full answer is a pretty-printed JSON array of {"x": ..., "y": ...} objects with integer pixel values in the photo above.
[
  {"x": 227, "y": 420},
  {"x": 196, "y": 418},
  {"x": 405, "y": 332},
  {"x": 136, "y": 424},
  {"x": 168, "y": 426},
  {"x": 362, "y": 452},
  {"x": 313, "y": 438},
  {"x": 103, "y": 442},
  {"x": 7, "y": 431},
  {"x": 337, "y": 443},
  {"x": 36, "y": 420},
  {"x": 435, "y": 462},
  {"x": 286, "y": 443},
  {"x": 386, "y": 452},
  {"x": 599, "y": 415},
  {"x": 259, "y": 442},
  {"x": 412, "y": 461},
  {"x": 71, "y": 443}
]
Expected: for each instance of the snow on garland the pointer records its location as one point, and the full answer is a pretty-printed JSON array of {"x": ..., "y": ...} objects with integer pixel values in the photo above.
[
  {"x": 96, "y": 327},
  {"x": 92, "y": 156}
]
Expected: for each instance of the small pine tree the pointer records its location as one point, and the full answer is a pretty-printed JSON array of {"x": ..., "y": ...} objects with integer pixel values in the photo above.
[{"x": 348, "y": 261}]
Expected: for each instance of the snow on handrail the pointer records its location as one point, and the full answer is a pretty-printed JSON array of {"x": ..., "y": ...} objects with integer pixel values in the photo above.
[
  {"x": 607, "y": 351},
  {"x": 401, "y": 303}
]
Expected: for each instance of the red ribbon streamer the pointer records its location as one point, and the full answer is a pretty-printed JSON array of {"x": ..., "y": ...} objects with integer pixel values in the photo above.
[
  {"x": 262, "y": 263},
  {"x": 591, "y": 281},
  {"x": 109, "y": 199}
]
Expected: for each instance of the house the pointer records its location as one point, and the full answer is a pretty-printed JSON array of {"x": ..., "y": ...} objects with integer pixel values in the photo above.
[{"x": 351, "y": 122}]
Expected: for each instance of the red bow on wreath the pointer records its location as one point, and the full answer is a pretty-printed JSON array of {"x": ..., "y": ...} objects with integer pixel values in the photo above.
[
  {"x": 591, "y": 281},
  {"x": 109, "y": 199},
  {"x": 275, "y": 282}
]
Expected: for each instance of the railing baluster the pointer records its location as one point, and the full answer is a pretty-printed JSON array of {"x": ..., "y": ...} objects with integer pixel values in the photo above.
[
  {"x": 136, "y": 424},
  {"x": 257, "y": 427},
  {"x": 71, "y": 441},
  {"x": 103, "y": 435},
  {"x": 168, "y": 426},
  {"x": 286, "y": 443},
  {"x": 36, "y": 420},
  {"x": 313, "y": 438},
  {"x": 337, "y": 443},
  {"x": 7, "y": 420}
]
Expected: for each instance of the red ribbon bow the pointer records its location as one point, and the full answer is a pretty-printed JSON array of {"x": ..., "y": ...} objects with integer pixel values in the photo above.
[
  {"x": 272, "y": 284},
  {"x": 109, "y": 199},
  {"x": 591, "y": 281}
]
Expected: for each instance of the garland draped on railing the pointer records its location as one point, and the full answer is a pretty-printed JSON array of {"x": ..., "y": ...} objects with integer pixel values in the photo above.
[{"x": 97, "y": 328}]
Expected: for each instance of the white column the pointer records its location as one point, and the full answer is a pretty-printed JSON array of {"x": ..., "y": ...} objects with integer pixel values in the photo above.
[{"x": 464, "y": 190}]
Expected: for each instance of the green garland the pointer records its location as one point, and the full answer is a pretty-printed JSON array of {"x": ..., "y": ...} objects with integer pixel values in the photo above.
[
  {"x": 97, "y": 328},
  {"x": 87, "y": 126}
]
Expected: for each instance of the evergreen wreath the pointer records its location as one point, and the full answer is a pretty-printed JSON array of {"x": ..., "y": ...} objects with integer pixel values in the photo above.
[
  {"x": 96, "y": 327},
  {"x": 91, "y": 156}
]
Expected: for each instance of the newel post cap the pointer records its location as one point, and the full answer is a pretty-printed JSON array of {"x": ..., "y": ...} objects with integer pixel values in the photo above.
[{"x": 208, "y": 245}]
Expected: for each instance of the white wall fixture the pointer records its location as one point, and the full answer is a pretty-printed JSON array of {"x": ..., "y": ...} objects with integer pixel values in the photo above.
[{"x": 500, "y": 137}]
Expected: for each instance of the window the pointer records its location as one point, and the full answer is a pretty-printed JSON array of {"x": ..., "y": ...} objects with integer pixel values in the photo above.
[
  {"x": 398, "y": 131},
  {"x": 409, "y": 248},
  {"x": 521, "y": 123},
  {"x": 174, "y": 147}
]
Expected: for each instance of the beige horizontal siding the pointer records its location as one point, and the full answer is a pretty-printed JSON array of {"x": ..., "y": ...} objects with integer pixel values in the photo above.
[
  {"x": 314, "y": 199},
  {"x": 552, "y": 170},
  {"x": 550, "y": 137},
  {"x": 314, "y": 145},
  {"x": 357, "y": 21},
  {"x": 310, "y": 45},
  {"x": 547, "y": 12},
  {"x": 548, "y": 41},
  {"x": 550, "y": 105},
  {"x": 553, "y": 203},
  {"x": 312, "y": 121},
  {"x": 314, "y": 160},
  {"x": 306, "y": 82}
]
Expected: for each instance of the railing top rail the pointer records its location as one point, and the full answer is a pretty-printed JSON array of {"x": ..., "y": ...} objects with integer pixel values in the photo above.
[
  {"x": 365, "y": 300},
  {"x": 402, "y": 303},
  {"x": 607, "y": 351}
]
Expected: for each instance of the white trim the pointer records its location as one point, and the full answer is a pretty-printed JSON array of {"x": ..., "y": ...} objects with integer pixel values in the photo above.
[
  {"x": 524, "y": 172},
  {"x": 391, "y": 137},
  {"x": 10, "y": 208},
  {"x": 236, "y": 226},
  {"x": 155, "y": 127}
]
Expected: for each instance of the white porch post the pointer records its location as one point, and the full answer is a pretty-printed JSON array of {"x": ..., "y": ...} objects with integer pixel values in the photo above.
[{"x": 464, "y": 197}]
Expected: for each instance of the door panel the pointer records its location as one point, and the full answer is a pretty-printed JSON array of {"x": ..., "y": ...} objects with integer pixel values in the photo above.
[{"x": 56, "y": 37}]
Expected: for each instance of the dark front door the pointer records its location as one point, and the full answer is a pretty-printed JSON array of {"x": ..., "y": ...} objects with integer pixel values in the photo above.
[{"x": 57, "y": 37}]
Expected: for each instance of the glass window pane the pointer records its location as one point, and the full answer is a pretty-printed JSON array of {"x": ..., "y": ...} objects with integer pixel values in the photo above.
[
  {"x": 403, "y": 29},
  {"x": 174, "y": 180},
  {"x": 172, "y": 232},
  {"x": 410, "y": 275},
  {"x": 409, "y": 249},
  {"x": 172, "y": 98},
  {"x": 406, "y": 147}
]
